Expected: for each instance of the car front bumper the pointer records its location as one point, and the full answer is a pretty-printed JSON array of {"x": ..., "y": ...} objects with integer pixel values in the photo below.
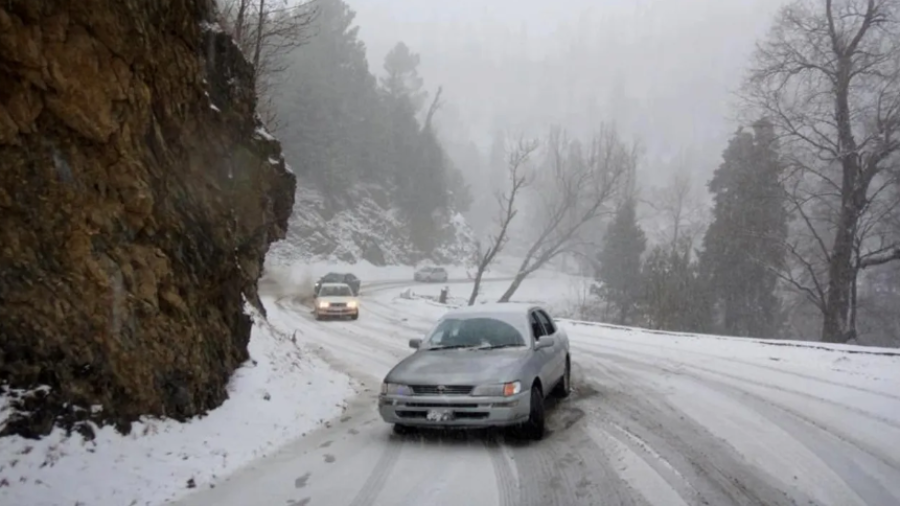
[
  {"x": 336, "y": 312},
  {"x": 466, "y": 411}
]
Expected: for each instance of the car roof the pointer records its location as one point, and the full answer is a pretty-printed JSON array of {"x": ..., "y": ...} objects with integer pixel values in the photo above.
[{"x": 495, "y": 308}]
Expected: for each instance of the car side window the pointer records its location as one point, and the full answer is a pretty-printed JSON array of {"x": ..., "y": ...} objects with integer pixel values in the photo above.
[
  {"x": 546, "y": 321},
  {"x": 536, "y": 328}
]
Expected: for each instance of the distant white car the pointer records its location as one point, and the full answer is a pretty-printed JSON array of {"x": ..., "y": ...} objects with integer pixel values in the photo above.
[
  {"x": 431, "y": 274},
  {"x": 336, "y": 300}
]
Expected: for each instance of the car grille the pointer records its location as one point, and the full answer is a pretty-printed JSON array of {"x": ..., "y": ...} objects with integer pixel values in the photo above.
[
  {"x": 338, "y": 304},
  {"x": 434, "y": 405},
  {"x": 471, "y": 415},
  {"x": 441, "y": 390}
]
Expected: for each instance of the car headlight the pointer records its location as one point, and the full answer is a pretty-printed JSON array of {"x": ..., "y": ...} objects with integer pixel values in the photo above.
[
  {"x": 395, "y": 389},
  {"x": 352, "y": 304},
  {"x": 499, "y": 390},
  {"x": 323, "y": 304}
]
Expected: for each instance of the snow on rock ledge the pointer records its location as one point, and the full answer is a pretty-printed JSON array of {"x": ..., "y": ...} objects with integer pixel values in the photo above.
[
  {"x": 281, "y": 393},
  {"x": 369, "y": 230}
]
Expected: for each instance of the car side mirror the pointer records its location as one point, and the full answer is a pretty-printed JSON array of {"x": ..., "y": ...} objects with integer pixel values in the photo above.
[
  {"x": 415, "y": 343},
  {"x": 544, "y": 342}
]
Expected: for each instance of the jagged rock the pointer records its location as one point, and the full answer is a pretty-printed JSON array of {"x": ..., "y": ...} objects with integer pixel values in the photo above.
[{"x": 138, "y": 197}]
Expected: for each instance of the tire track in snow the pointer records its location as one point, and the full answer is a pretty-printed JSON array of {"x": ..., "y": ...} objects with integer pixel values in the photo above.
[
  {"x": 841, "y": 456},
  {"x": 818, "y": 439},
  {"x": 376, "y": 481},
  {"x": 708, "y": 376},
  {"x": 507, "y": 483},
  {"x": 741, "y": 379},
  {"x": 720, "y": 358},
  {"x": 717, "y": 473}
]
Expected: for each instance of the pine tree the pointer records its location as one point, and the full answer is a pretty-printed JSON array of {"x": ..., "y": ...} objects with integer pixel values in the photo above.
[
  {"x": 620, "y": 261},
  {"x": 420, "y": 165},
  {"x": 329, "y": 108},
  {"x": 673, "y": 295},
  {"x": 743, "y": 247}
]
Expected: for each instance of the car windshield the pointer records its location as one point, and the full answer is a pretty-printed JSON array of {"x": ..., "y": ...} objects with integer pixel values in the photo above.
[
  {"x": 478, "y": 332},
  {"x": 335, "y": 291}
]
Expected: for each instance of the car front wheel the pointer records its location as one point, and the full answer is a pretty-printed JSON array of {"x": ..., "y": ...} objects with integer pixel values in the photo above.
[{"x": 533, "y": 429}]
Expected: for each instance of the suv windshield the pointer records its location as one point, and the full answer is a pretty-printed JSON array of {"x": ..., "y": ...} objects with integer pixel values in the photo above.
[
  {"x": 481, "y": 332},
  {"x": 335, "y": 291}
]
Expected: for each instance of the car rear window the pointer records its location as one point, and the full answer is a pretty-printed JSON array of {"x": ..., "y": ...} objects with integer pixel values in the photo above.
[{"x": 474, "y": 332}]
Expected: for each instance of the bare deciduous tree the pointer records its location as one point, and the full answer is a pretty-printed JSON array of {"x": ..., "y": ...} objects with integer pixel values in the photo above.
[
  {"x": 517, "y": 159},
  {"x": 575, "y": 192},
  {"x": 266, "y": 30},
  {"x": 681, "y": 210},
  {"x": 828, "y": 77}
]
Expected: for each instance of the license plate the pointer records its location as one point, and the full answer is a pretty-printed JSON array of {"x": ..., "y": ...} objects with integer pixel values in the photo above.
[{"x": 439, "y": 415}]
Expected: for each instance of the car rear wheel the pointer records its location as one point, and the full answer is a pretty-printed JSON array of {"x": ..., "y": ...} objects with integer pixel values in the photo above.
[
  {"x": 533, "y": 429},
  {"x": 564, "y": 387}
]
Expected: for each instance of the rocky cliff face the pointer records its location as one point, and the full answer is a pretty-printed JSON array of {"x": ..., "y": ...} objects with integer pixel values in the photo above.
[{"x": 138, "y": 197}]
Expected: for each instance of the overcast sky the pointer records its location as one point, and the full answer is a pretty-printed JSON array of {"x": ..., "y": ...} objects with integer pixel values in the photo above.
[{"x": 663, "y": 70}]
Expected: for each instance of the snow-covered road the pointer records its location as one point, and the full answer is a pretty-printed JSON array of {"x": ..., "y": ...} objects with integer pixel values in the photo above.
[{"x": 656, "y": 419}]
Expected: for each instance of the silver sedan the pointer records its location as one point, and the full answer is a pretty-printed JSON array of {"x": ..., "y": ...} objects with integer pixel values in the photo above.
[{"x": 481, "y": 366}]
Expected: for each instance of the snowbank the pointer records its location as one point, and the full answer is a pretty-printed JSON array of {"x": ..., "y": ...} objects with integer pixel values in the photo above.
[{"x": 281, "y": 394}]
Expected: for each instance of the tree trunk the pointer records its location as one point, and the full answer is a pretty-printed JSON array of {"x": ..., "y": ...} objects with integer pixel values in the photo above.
[
  {"x": 477, "y": 285},
  {"x": 257, "y": 51},
  {"x": 520, "y": 276},
  {"x": 840, "y": 277},
  {"x": 239, "y": 24},
  {"x": 623, "y": 313}
]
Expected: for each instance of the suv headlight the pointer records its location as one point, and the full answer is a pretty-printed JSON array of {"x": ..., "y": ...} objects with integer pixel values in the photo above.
[
  {"x": 323, "y": 304},
  {"x": 352, "y": 304},
  {"x": 395, "y": 389},
  {"x": 499, "y": 390}
]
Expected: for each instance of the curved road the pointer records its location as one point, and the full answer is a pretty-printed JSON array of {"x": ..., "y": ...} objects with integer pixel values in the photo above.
[{"x": 628, "y": 435}]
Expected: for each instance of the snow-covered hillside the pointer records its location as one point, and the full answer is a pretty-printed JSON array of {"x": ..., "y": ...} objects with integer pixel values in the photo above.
[{"x": 371, "y": 230}]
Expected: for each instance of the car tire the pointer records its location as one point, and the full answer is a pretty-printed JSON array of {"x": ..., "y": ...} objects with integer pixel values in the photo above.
[
  {"x": 403, "y": 430},
  {"x": 564, "y": 387},
  {"x": 318, "y": 317},
  {"x": 533, "y": 429},
  {"x": 355, "y": 317}
]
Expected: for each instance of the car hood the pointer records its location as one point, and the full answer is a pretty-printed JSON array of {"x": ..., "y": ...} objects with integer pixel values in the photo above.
[{"x": 459, "y": 367}]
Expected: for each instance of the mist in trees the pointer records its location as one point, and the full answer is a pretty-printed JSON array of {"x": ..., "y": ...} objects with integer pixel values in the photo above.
[{"x": 347, "y": 129}]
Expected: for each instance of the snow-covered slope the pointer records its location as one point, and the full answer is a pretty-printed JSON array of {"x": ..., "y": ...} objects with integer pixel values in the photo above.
[
  {"x": 282, "y": 393},
  {"x": 370, "y": 229}
]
